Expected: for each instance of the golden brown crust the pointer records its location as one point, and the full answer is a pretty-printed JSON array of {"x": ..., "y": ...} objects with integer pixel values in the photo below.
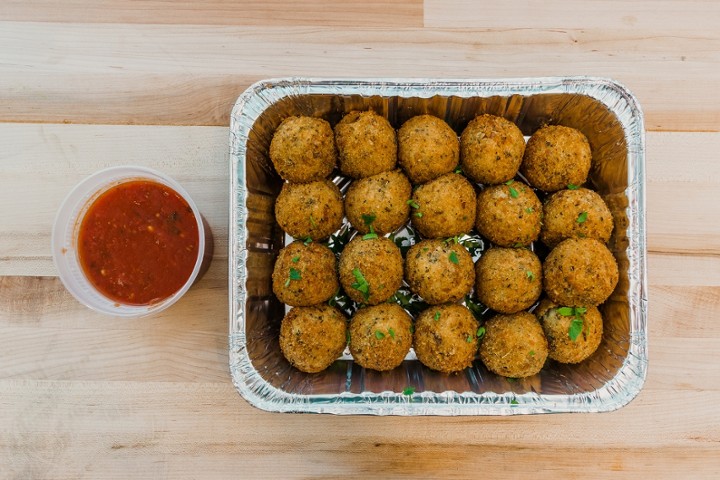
[
  {"x": 580, "y": 213},
  {"x": 379, "y": 262},
  {"x": 580, "y": 272},
  {"x": 305, "y": 275},
  {"x": 444, "y": 207},
  {"x": 446, "y": 338},
  {"x": 312, "y": 338},
  {"x": 509, "y": 215},
  {"x": 383, "y": 196},
  {"x": 439, "y": 271},
  {"x": 557, "y": 331},
  {"x": 508, "y": 279},
  {"x": 380, "y": 336},
  {"x": 514, "y": 345},
  {"x": 303, "y": 149},
  {"x": 427, "y": 148},
  {"x": 367, "y": 144},
  {"x": 491, "y": 149},
  {"x": 312, "y": 210},
  {"x": 555, "y": 157}
]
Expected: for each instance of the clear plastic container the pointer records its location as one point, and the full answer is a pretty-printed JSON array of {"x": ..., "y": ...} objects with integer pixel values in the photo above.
[{"x": 65, "y": 234}]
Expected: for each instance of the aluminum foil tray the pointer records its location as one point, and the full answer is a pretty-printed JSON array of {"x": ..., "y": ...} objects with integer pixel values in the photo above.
[{"x": 603, "y": 110}]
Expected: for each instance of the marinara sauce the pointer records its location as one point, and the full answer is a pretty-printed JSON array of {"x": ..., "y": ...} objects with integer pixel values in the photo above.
[{"x": 138, "y": 242}]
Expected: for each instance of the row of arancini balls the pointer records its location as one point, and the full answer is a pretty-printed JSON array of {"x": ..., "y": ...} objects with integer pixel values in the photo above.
[{"x": 371, "y": 269}]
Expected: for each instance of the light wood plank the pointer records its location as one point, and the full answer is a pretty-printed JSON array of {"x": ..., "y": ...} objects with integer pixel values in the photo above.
[
  {"x": 191, "y": 74},
  {"x": 87, "y": 430},
  {"x": 588, "y": 14},
  {"x": 372, "y": 13}
]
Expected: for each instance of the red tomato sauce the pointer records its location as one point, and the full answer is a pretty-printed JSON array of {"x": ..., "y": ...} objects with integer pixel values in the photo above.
[{"x": 138, "y": 242}]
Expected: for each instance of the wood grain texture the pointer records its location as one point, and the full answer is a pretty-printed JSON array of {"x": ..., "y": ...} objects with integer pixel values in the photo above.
[
  {"x": 86, "y": 85},
  {"x": 192, "y": 74},
  {"x": 372, "y": 13}
]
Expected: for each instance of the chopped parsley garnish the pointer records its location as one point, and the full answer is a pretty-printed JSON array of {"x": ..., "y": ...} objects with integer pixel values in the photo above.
[
  {"x": 480, "y": 333},
  {"x": 368, "y": 218},
  {"x": 307, "y": 241},
  {"x": 514, "y": 402},
  {"x": 391, "y": 332},
  {"x": 312, "y": 221},
  {"x": 379, "y": 335},
  {"x": 295, "y": 274},
  {"x": 436, "y": 317},
  {"x": 582, "y": 217},
  {"x": 513, "y": 193},
  {"x": 454, "y": 258},
  {"x": 413, "y": 203},
  {"x": 529, "y": 210},
  {"x": 576, "y": 325},
  {"x": 458, "y": 169},
  {"x": 532, "y": 353},
  {"x": 361, "y": 284},
  {"x": 370, "y": 236},
  {"x": 418, "y": 214},
  {"x": 572, "y": 187},
  {"x": 296, "y": 259},
  {"x": 530, "y": 275},
  {"x": 408, "y": 390},
  {"x": 470, "y": 339},
  {"x": 510, "y": 182},
  {"x": 518, "y": 245}
]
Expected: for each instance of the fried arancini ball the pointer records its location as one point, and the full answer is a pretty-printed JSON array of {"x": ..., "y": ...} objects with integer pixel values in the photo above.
[
  {"x": 312, "y": 338},
  {"x": 579, "y": 213},
  {"x": 366, "y": 143},
  {"x": 580, "y": 272},
  {"x": 427, "y": 148},
  {"x": 446, "y": 338},
  {"x": 371, "y": 270},
  {"x": 439, "y": 271},
  {"x": 444, "y": 207},
  {"x": 491, "y": 149},
  {"x": 557, "y": 327},
  {"x": 380, "y": 336},
  {"x": 509, "y": 214},
  {"x": 555, "y": 157},
  {"x": 302, "y": 149},
  {"x": 508, "y": 279},
  {"x": 305, "y": 274},
  {"x": 514, "y": 345},
  {"x": 380, "y": 201},
  {"x": 312, "y": 210}
]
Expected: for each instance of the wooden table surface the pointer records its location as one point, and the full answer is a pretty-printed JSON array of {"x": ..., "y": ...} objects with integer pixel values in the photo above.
[{"x": 90, "y": 84}]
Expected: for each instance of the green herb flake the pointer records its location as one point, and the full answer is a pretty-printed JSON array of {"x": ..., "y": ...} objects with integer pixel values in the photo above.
[
  {"x": 576, "y": 327},
  {"x": 565, "y": 311},
  {"x": 513, "y": 193},
  {"x": 518, "y": 245},
  {"x": 413, "y": 203},
  {"x": 287, "y": 282},
  {"x": 470, "y": 339},
  {"x": 418, "y": 214},
  {"x": 368, "y": 218},
  {"x": 361, "y": 284},
  {"x": 296, "y": 259},
  {"x": 510, "y": 182},
  {"x": 436, "y": 317},
  {"x": 530, "y": 275},
  {"x": 529, "y": 210},
  {"x": 307, "y": 241},
  {"x": 347, "y": 336},
  {"x": 412, "y": 328},
  {"x": 458, "y": 170},
  {"x": 514, "y": 402},
  {"x": 295, "y": 274},
  {"x": 370, "y": 236},
  {"x": 408, "y": 390},
  {"x": 379, "y": 335},
  {"x": 532, "y": 353},
  {"x": 454, "y": 258},
  {"x": 582, "y": 217},
  {"x": 480, "y": 333},
  {"x": 391, "y": 332},
  {"x": 572, "y": 187},
  {"x": 312, "y": 221}
]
